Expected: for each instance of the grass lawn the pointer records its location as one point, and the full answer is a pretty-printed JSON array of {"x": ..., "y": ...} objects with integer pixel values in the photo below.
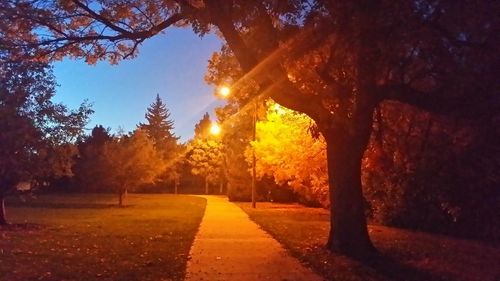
[
  {"x": 407, "y": 255},
  {"x": 86, "y": 237}
]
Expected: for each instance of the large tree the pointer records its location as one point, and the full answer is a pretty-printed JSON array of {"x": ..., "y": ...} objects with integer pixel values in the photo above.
[
  {"x": 335, "y": 61},
  {"x": 35, "y": 133}
]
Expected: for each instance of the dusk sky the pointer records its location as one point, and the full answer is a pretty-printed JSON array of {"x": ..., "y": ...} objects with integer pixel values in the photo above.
[{"x": 172, "y": 65}]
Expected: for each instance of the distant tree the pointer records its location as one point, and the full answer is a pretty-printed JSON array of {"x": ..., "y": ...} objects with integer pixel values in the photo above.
[
  {"x": 202, "y": 128},
  {"x": 90, "y": 170},
  {"x": 159, "y": 126},
  {"x": 205, "y": 158},
  {"x": 204, "y": 153},
  {"x": 133, "y": 160},
  {"x": 35, "y": 132}
]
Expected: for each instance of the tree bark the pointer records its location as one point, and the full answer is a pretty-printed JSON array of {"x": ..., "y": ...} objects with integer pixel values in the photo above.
[
  {"x": 348, "y": 228},
  {"x": 206, "y": 185},
  {"x": 120, "y": 198},
  {"x": 3, "y": 220}
]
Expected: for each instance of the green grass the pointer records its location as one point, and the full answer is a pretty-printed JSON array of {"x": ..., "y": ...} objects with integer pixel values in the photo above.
[
  {"x": 405, "y": 255},
  {"x": 86, "y": 237}
]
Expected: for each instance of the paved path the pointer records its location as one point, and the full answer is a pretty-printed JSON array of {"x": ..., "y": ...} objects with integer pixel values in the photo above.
[{"x": 229, "y": 246}]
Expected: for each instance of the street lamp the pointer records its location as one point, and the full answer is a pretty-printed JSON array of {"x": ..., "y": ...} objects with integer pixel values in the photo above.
[
  {"x": 215, "y": 129},
  {"x": 225, "y": 91},
  {"x": 254, "y": 159}
]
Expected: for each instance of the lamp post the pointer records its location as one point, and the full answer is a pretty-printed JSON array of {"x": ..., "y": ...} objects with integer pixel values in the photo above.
[
  {"x": 225, "y": 91},
  {"x": 254, "y": 158}
]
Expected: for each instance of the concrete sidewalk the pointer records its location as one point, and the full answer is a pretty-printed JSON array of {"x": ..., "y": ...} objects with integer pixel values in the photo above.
[{"x": 229, "y": 246}]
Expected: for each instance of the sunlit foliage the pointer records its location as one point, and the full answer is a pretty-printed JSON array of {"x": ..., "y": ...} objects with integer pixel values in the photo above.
[
  {"x": 205, "y": 154},
  {"x": 287, "y": 151}
]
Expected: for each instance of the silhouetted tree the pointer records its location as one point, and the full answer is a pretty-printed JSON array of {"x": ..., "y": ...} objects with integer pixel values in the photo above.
[
  {"x": 159, "y": 127},
  {"x": 90, "y": 170},
  {"x": 35, "y": 133},
  {"x": 202, "y": 128}
]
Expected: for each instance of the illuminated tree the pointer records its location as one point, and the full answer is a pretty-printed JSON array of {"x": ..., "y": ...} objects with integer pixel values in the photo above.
[
  {"x": 205, "y": 153},
  {"x": 205, "y": 158},
  {"x": 132, "y": 161},
  {"x": 335, "y": 61},
  {"x": 283, "y": 147}
]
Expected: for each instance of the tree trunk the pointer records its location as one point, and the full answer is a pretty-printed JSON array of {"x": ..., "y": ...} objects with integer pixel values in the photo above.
[
  {"x": 221, "y": 187},
  {"x": 206, "y": 185},
  {"x": 348, "y": 229},
  {"x": 120, "y": 197},
  {"x": 3, "y": 220}
]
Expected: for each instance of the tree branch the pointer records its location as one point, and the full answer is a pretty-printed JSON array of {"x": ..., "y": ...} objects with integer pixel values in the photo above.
[
  {"x": 139, "y": 35},
  {"x": 268, "y": 72},
  {"x": 100, "y": 18},
  {"x": 467, "y": 106}
]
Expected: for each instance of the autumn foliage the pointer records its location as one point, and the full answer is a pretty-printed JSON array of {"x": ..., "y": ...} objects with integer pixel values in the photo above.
[{"x": 287, "y": 151}]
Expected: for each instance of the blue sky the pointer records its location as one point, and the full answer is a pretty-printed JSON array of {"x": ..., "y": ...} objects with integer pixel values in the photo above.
[{"x": 172, "y": 65}]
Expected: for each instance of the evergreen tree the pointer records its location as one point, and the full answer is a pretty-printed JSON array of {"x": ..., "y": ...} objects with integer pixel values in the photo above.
[
  {"x": 159, "y": 127},
  {"x": 201, "y": 129}
]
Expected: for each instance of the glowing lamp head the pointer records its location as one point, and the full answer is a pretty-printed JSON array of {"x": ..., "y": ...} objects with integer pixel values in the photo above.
[
  {"x": 215, "y": 129},
  {"x": 224, "y": 91}
]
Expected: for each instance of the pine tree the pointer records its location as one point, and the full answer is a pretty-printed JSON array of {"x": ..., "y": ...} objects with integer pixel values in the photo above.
[
  {"x": 159, "y": 127},
  {"x": 201, "y": 129}
]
